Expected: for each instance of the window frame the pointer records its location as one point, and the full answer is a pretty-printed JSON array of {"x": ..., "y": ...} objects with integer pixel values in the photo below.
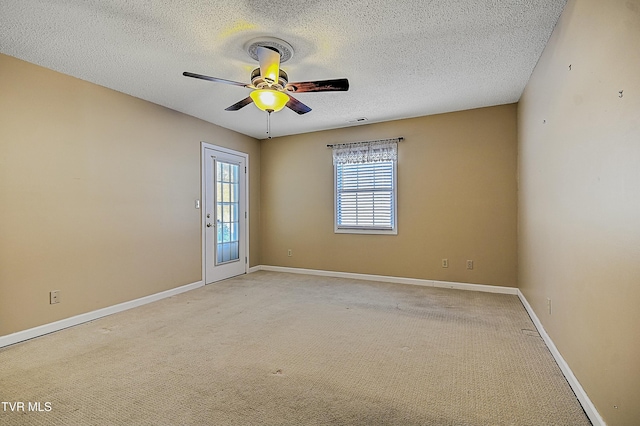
[{"x": 367, "y": 230}]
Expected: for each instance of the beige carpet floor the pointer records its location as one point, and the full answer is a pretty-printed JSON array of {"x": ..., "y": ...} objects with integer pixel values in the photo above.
[{"x": 273, "y": 348}]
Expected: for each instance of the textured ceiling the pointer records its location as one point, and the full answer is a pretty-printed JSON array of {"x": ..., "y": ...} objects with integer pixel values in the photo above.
[{"x": 403, "y": 59}]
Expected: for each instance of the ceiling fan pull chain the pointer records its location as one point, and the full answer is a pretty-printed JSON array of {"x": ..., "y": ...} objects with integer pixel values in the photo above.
[{"x": 269, "y": 111}]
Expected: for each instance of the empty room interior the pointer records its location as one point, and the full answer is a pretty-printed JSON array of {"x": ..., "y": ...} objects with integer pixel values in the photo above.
[{"x": 499, "y": 285}]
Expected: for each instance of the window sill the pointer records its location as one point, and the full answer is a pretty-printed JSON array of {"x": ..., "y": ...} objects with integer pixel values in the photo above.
[{"x": 365, "y": 231}]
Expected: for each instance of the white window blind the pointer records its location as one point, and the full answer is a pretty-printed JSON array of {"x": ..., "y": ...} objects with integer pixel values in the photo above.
[
  {"x": 365, "y": 195},
  {"x": 365, "y": 186}
]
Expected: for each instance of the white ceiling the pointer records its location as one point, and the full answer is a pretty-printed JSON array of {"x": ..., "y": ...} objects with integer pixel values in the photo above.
[{"x": 403, "y": 59}]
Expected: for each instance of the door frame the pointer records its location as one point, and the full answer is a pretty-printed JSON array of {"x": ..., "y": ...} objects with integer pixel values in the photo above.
[{"x": 203, "y": 218}]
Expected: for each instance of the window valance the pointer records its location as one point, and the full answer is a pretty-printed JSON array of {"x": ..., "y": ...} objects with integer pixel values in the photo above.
[{"x": 365, "y": 152}]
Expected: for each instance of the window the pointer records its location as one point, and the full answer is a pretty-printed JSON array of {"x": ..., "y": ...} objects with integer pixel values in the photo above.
[{"x": 365, "y": 187}]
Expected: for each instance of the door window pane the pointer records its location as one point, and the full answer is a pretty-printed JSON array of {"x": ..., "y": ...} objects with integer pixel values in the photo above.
[{"x": 227, "y": 208}]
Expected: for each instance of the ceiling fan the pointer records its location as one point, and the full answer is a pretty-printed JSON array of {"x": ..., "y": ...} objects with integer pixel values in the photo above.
[{"x": 271, "y": 86}]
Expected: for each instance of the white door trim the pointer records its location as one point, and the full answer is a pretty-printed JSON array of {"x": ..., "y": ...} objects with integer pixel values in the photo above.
[{"x": 245, "y": 156}]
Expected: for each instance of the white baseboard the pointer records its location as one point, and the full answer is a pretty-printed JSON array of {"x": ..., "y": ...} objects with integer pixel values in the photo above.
[
  {"x": 582, "y": 396},
  {"x": 20, "y": 336},
  {"x": 389, "y": 279},
  {"x": 254, "y": 269}
]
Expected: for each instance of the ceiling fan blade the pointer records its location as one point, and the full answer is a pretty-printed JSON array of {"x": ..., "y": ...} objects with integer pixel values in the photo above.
[
  {"x": 269, "y": 64},
  {"x": 297, "y": 106},
  {"x": 241, "y": 104},
  {"x": 217, "y": 80},
  {"x": 338, "y": 85}
]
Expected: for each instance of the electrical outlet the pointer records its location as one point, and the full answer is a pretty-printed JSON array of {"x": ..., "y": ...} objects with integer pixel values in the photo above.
[
  {"x": 549, "y": 305},
  {"x": 469, "y": 264},
  {"x": 54, "y": 297},
  {"x": 445, "y": 263},
  {"x": 289, "y": 253}
]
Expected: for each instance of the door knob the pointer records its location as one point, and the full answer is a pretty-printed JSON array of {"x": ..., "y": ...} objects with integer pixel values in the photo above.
[{"x": 209, "y": 225}]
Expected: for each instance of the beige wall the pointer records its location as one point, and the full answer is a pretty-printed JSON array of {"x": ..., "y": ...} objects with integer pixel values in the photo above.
[
  {"x": 579, "y": 202},
  {"x": 97, "y": 193},
  {"x": 456, "y": 192}
]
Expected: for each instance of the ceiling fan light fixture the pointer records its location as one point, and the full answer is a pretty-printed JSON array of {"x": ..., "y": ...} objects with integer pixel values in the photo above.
[{"x": 269, "y": 99}]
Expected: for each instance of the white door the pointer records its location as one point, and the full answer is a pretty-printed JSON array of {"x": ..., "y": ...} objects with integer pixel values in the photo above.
[{"x": 225, "y": 214}]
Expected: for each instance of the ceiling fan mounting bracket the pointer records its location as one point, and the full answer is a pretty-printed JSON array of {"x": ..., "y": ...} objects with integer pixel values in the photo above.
[
  {"x": 282, "y": 47},
  {"x": 259, "y": 83}
]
